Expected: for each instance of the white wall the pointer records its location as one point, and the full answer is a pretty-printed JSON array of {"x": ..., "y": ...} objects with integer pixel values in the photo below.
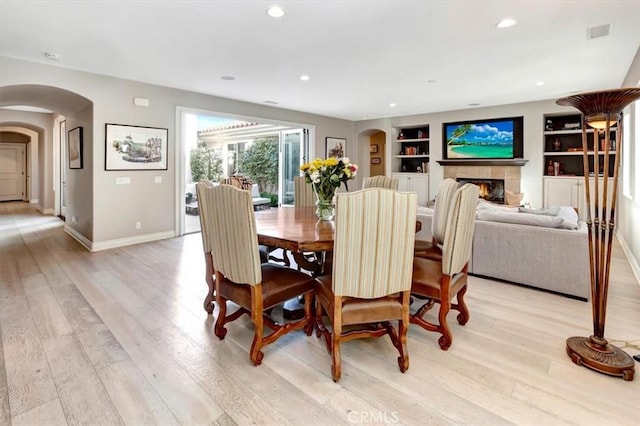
[
  {"x": 116, "y": 208},
  {"x": 628, "y": 214}
]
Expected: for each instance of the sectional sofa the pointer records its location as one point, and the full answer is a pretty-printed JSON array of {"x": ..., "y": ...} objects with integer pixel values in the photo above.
[{"x": 546, "y": 258}]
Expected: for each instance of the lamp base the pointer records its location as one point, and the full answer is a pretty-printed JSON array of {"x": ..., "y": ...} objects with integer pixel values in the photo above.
[{"x": 598, "y": 355}]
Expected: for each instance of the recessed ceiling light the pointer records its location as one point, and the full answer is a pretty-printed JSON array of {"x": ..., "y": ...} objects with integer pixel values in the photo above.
[
  {"x": 275, "y": 12},
  {"x": 52, "y": 56},
  {"x": 304, "y": 77},
  {"x": 431, "y": 81},
  {"x": 539, "y": 83},
  {"x": 392, "y": 105},
  {"x": 506, "y": 23},
  {"x": 228, "y": 77}
]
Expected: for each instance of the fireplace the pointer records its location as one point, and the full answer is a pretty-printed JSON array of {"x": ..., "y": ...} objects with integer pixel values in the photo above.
[{"x": 489, "y": 189}]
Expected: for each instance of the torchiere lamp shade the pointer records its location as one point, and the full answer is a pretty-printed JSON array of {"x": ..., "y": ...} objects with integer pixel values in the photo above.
[{"x": 603, "y": 111}]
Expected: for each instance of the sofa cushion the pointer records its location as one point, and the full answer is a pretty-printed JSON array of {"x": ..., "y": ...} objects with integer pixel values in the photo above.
[
  {"x": 551, "y": 211},
  {"x": 569, "y": 217},
  {"x": 519, "y": 218}
]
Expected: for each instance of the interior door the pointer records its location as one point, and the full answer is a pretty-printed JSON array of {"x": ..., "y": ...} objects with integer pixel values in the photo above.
[
  {"x": 292, "y": 155},
  {"x": 12, "y": 171}
]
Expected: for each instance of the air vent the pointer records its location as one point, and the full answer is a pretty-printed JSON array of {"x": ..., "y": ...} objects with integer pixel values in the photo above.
[{"x": 599, "y": 31}]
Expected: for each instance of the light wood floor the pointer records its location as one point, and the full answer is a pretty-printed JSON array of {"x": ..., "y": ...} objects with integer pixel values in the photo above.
[{"x": 120, "y": 337}]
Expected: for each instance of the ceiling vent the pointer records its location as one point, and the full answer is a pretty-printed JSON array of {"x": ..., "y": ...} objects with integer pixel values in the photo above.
[{"x": 598, "y": 31}]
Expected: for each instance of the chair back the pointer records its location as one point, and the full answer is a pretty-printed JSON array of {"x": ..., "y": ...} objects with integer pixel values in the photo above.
[
  {"x": 231, "y": 232},
  {"x": 238, "y": 182},
  {"x": 373, "y": 243},
  {"x": 203, "y": 218},
  {"x": 303, "y": 194},
  {"x": 444, "y": 198},
  {"x": 380, "y": 182},
  {"x": 456, "y": 250}
]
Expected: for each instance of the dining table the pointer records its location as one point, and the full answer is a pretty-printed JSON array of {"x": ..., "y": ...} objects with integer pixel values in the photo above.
[{"x": 298, "y": 230}]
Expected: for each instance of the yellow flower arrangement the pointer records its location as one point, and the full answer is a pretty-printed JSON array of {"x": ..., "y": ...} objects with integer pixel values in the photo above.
[{"x": 325, "y": 176}]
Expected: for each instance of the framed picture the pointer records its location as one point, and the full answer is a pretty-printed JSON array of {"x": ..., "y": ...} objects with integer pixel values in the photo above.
[
  {"x": 375, "y": 160},
  {"x": 135, "y": 147},
  {"x": 335, "y": 147},
  {"x": 373, "y": 149},
  {"x": 74, "y": 148}
]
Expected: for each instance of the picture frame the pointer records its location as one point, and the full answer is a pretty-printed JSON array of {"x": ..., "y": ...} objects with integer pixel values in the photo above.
[
  {"x": 373, "y": 148},
  {"x": 376, "y": 160},
  {"x": 335, "y": 147},
  {"x": 129, "y": 147},
  {"x": 74, "y": 148}
]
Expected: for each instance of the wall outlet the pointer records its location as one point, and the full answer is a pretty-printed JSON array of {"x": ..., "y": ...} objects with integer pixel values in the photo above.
[
  {"x": 74, "y": 220},
  {"x": 138, "y": 225},
  {"x": 157, "y": 179}
]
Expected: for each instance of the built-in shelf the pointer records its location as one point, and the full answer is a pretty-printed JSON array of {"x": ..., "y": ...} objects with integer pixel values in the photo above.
[{"x": 507, "y": 162}]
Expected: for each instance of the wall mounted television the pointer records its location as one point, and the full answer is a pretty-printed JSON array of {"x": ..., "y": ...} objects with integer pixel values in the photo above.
[{"x": 496, "y": 138}]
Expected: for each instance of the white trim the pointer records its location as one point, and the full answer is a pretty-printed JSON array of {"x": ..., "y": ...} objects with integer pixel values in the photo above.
[
  {"x": 33, "y": 201},
  {"x": 45, "y": 211},
  {"x": 635, "y": 268},
  {"x": 78, "y": 237},
  {"x": 121, "y": 242}
]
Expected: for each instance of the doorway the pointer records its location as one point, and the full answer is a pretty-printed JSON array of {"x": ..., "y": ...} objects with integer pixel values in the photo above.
[{"x": 216, "y": 146}]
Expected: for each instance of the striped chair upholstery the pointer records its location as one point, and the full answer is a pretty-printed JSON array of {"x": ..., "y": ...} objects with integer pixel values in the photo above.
[
  {"x": 371, "y": 276},
  {"x": 303, "y": 193},
  {"x": 206, "y": 245},
  {"x": 433, "y": 249},
  {"x": 239, "y": 274},
  {"x": 380, "y": 182},
  {"x": 441, "y": 281}
]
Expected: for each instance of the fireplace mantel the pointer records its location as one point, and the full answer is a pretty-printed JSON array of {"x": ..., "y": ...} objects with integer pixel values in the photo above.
[{"x": 461, "y": 162}]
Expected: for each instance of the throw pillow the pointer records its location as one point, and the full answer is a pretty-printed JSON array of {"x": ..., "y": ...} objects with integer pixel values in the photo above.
[
  {"x": 551, "y": 211},
  {"x": 569, "y": 217},
  {"x": 520, "y": 218}
]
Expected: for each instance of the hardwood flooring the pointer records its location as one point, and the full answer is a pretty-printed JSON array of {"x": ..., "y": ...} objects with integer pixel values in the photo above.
[{"x": 120, "y": 337}]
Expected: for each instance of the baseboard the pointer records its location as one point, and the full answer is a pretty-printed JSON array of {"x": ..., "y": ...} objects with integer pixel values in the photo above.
[
  {"x": 78, "y": 237},
  {"x": 45, "y": 211},
  {"x": 33, "y": 201},
  {"x": 632, "y": 261},
  {"x": 121, "y": 242}
]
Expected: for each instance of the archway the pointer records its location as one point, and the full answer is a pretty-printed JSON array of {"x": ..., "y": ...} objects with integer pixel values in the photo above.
[{"x": 58, "y": 103}]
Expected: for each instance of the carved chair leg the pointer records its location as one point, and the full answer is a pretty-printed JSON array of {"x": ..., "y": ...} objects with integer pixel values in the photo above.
[
  {"x": 219, "y": 329},
  {"x": 445, "y": 340},
  {"x": 336, "y": 367},
  {"x": 403, "y": 359},
  {"x": 308, "y": 314},
  {"x": 256, "y": 353},
  {"x": 463, "y": 316}
]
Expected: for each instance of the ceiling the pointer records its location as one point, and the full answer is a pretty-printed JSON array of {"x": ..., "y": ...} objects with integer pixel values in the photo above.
[{"x": 361, "y": 56}]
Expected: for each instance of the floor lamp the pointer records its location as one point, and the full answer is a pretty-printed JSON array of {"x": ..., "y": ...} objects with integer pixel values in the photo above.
[{"x": 601, "y": 111}]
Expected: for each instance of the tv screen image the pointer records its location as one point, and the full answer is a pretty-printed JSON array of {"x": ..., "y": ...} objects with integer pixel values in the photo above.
[{"x": 480, "y": 139}]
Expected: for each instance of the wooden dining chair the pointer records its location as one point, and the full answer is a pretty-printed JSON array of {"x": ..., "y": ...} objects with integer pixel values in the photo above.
[
  {"x": 206, "y": 245},
  {"x": 241, "y": 278},
  {"x": 433, "y": 249},
  {"x": 371, "y": 276},
  {"x": 380, "y": 182},
  {"x": 443, "y": 281},
  {"x": 303, "y": 195}
]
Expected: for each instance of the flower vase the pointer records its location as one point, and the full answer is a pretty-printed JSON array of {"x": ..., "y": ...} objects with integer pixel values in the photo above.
[{"x": 325, "y": 209}]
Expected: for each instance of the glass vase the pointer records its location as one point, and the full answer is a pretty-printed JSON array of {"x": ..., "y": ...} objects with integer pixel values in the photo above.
[{"x": 325, "y": 209}]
